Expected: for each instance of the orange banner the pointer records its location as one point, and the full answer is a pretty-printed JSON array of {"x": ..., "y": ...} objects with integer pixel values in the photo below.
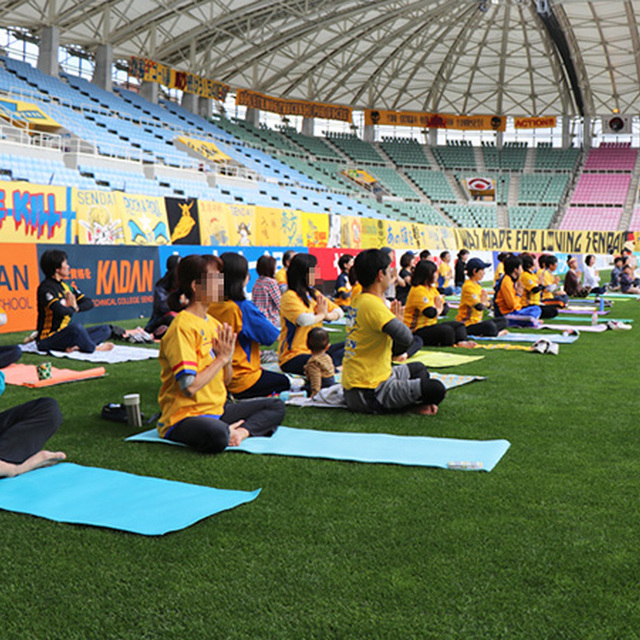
[
  {"x": 545, "y": 122},
  {"x": 434, "y": 120},
  {"x": 284, "y": 107},
  {"x": 19, "y": 280}
]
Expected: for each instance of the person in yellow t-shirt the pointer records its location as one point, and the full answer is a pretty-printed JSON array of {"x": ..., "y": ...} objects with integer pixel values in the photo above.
[
  {"x": 371, "y": 384},
  {"x": 532, "y": 288},
  {"x": 303, "y": 307},
  {"x": 281, "y": 275},
  {"x": 249, "y": 380},
  {"x": 499, "y": 272},
  {"x": 553, "y": 293},
  {"x": 195, "y": 357},
  {"x": 473, "y": 302},
  {"x": 425, "y": 305},
  {"x": 507, "y": 302},
  {"x": 445, "y": 274}
]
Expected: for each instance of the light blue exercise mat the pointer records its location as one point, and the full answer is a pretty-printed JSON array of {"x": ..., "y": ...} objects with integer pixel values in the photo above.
[
  {"x": 528, "y": 337},
  {"x": 477, "y": 455},
  {"x": 104, "y": 498}
]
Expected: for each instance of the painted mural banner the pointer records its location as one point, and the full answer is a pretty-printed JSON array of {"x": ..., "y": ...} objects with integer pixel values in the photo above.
[
  {"x": 144, "y": 219},
  {"x": 98, "y": 218},
  {"x": 36, "y": 213},
  {"x": 19, "y": 280},
  {"x": 183, "y": 220}
]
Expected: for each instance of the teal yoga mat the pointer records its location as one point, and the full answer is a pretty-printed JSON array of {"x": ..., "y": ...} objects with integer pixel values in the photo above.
[
  {"x": 476, "y": 455},
  {"x": 528, "y": 337},
  {"x": 104, "y": 498}
]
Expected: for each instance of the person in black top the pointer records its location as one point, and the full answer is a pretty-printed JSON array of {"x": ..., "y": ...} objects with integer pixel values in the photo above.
[
  {"x": 460, "y": 270},
  {"x": 161, "y": 315},
  {"x": 57, "y": 304}
]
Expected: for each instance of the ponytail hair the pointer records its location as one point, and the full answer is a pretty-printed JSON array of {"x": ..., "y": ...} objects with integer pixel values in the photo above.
[
  {"x": 190, "y": 268},
  {"x": 298, "y": 276}
]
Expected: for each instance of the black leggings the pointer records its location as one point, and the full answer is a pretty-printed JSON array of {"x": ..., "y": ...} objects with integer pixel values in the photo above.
[
  {"x": 9, "y": 355},
  {"x": 269, "y": 382},
  {"x": 443, "y": 334},
  {"x": 489, "y": 328},
  {"x": 25, "y": 428},
  {"x": 211, "y": 435}
]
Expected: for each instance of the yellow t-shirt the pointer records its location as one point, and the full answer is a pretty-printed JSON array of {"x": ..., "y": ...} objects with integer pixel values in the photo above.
[
  {"x": 356, "y": 290},
  {"x": 186, "y": 349},
  {"x": 548, "y": 278},
  {"x": 367, "y": 353},
  {"x": 293, "y": 339},
  {"x": 445, "y": 272},
  {"x": 529, "y": 282},
  {"x": 418, "y": 300},
  {"x": 281, "y": 276},
  {"x": 471, "y": 296},
  {"x": 246, "y": 360}
]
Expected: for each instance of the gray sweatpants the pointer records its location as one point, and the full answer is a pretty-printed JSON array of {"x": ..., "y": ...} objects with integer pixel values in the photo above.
[{"x": 405, "y": 387}]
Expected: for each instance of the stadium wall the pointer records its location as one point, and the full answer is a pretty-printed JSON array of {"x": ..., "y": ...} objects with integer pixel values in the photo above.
[{"x": 118, "y": 243}]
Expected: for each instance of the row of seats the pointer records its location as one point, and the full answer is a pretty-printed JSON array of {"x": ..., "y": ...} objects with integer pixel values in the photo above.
[
  {"x": 531, "y": 217},
  {"x": 592, "y": 218}
]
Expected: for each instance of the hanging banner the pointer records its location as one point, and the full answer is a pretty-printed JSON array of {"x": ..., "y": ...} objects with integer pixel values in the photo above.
[
  {"x": 546, "y": 122},
  {"x": 373, "y": 233},
  {"x": 481, "y": 189},
  {"x": 144, "y": 219},
  {"x": 292, "y": 228},
  {"x": 268, "y": 222},
  {"x": 243, "y": 226},
  {"x": 327, "y": 269},
  {"x": 316, "y": 229},
  {"x": 285, "y": 107},
  {"x": 183, "y": 220},
  {"x": 26, "y": 113},
  {"x": 146, "y": 70},
  {"x": 351, "y": 232},
  {"x": 36, "y": 213},
  {"x": 434, "y": 120},
  {"x": 215, "y": 221},
  {"x": 205, "y": 148},
  {"x": 19, "y": 280},
  {"x": 98, "y": 217},
  {"x": 399, "y": 235}
]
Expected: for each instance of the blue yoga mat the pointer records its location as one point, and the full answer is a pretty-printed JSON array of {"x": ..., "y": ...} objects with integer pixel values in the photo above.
[
  {"x": 478, "y": 455},
  {"x": 529, "y": 337},
  {"x": 104, "y": 498}
]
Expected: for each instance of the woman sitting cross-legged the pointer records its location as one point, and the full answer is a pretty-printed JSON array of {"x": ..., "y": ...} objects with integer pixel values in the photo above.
[
  {"x": 425, "y": 305},
  {"x": 195, "y": 359},
  {"x": 253, "y": 329},
  {"x": 301, "y": 309}
]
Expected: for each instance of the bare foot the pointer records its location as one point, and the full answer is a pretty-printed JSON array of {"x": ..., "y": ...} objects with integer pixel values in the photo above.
[
  {"x": 40, "y": 459},
  {"x": 467, "y": 344},
  {"x": 72, "y": 349},
  {"x": 237, "y": 433},
  {"x": 504, "y": 332},
  {"x": 401, "y": 358},
  {"x": 30, "y": 338},
  {"x": 426, "y": 409},
  {"x": 105, "y": 346}
]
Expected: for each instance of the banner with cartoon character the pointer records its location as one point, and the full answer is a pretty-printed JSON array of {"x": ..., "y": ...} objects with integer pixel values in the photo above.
[
  {"x": 373, "y": 233},
  {"x": 215, "y": 222},
  {"x": 351, "y": 232},
  {"x": 316, "y": 229},
  {"x": 242, "y": 227},
  {"x": 98, "y": 217},
  {"x": 144, "y": 219},
  {"x": 183, "y": 219},
  {"x": 36, "y": 213},
  {"x": 269, "y": 226}
]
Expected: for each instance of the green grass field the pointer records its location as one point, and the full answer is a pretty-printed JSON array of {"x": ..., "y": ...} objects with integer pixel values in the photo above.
[{"x": 544, "y": 546}]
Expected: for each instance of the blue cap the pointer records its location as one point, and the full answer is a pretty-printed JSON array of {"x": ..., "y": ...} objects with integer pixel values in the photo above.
[{"x": 475, "y": 264}]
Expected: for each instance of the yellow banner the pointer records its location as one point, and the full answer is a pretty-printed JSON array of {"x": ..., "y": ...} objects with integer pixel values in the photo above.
[
  {"x": 151, "y": 71},
  {"x": 26, "y": 112},
  {"x": 97, "y": 217},
  {"x": 284, "y": 107},
  {"x": 359, "y": 176},
  {"x": 144, "y": 219},
  {"x": 434, "y": 120},
  {"x": 205, "y": 148},
  {"x": 316, "y": 229},
  {"x": 269, "y": 226},
  {"x": 215, "y": 223},
  {"x": 545, "y": 122},
  {"x": 36, "y": 213},
  {"x": 373, "y": 233},
  {"x": 242, "y": 226}
]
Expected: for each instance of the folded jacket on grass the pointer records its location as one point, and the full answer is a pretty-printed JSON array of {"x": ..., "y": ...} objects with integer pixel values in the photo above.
[
  {"x": 119, "y": 353},
  {"x": 528, "y": 337},
  {"x": 476, "y": 455},
  {"x": 104, "y": 498},
  {"x": 26, "y": 375}
]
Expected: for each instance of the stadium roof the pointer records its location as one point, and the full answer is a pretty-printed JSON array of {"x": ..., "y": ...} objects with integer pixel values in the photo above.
[{"x": 506, "y": 57}]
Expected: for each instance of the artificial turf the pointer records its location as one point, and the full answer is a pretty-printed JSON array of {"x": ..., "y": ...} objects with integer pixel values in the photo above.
[{"x": 544, "y": 546}]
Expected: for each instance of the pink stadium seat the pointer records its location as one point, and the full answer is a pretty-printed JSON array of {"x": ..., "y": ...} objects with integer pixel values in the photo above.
[
  {"x": 602, "y": 188},
  {"x": 612, "y": 156},
  {"x": 592, "y": 218},
  {"x": 634, "y": 224}
]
